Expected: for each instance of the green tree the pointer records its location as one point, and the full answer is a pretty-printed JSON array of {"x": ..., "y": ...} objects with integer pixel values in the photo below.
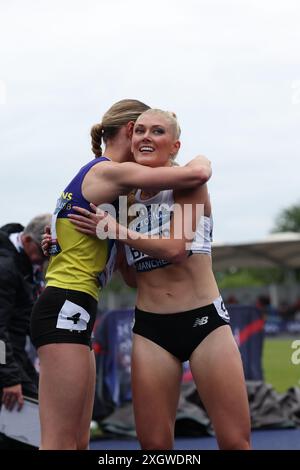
[
  {"x": 246, "y": 277},
  {"x": 288, "y": 220}
]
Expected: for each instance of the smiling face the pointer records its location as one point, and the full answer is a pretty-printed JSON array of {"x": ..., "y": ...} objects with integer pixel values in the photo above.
[{"x": 154, "y": 140}]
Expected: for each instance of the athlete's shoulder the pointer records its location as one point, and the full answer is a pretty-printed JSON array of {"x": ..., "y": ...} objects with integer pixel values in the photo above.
[
  {"x": 115, "y": 171},
  {"x": 97, "y": 168}
]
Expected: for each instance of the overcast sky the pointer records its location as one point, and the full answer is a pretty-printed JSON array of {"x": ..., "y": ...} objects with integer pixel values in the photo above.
[{"x": 229, "y": 69}]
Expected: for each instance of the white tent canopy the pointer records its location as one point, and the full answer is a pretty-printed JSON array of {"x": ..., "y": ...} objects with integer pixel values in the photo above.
[{"x": 279, "y": 249}]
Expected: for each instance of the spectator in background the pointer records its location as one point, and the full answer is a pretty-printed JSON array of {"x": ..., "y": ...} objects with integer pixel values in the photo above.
[
  {"x": 21, "y": 281},
  {"x": 232, "y": 300},
  {"x": 296, "y": 309},
  {"x": 289, "y": 311},
  {"x": 268, "y": 312},
  {"x": 263, "y": 304}
]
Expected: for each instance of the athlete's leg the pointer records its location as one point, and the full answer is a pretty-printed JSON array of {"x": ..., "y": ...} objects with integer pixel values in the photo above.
[
  {"x": 218, "y": 373},
  {"x": 156, "y": 378},
  {"x": 83, "y": 437},
  {"x": 64, "y": 374}
]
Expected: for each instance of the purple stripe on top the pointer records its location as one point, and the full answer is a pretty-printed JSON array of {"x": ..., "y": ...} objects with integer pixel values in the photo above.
[{"x": 72, "y": 194}]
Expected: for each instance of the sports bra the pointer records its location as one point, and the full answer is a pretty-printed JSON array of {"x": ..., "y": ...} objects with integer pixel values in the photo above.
[{"x": 155, "y": 218}]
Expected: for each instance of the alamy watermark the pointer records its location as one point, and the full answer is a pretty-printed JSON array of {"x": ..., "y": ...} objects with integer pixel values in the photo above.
[
  {"x": 2, "y": 352},
  {"x": 296, "y": 354},
  {"x": 150, "y": 221}
]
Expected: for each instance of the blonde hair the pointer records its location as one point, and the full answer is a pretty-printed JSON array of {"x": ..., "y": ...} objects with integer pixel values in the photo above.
[
  {"x": 170, "y": 116},
  {"x": 172, "y": 119},
  {"x": 117, "y": 116}
]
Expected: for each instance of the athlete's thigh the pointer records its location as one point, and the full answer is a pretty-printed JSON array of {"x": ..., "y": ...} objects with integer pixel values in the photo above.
[
  {"x": 156, "y": 378},
  {"x": 218, "y": 373},
  {"x": 64, "y": 373}
]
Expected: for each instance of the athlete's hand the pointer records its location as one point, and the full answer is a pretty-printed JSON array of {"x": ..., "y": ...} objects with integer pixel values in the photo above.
[
  {"x": 11, "y": 396},
  {"x": 97, "y": 223},
  {"x": 107, "y": 226},
  {"x": 46, "y": 241},
  {"x": 200, "y": 161},
  {"x": 87, "y": 221}
]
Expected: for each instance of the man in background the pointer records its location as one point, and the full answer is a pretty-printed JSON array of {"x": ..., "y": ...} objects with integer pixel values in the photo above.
[{"x": 21, "y": 281}]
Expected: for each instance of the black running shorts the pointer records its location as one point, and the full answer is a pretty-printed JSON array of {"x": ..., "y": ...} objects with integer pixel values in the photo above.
[{"x": 63, "y": 316}]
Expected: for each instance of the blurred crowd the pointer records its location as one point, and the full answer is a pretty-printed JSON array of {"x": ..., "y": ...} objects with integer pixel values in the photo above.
[{"x": 285, "y": 311}]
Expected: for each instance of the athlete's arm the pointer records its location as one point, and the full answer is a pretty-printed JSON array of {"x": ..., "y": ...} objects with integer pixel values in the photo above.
[
  {"x": 105, "y": 226},
  {"x": 188, "y": 208},
  {"x": 130, "y": 175},
  {"x": 107, "y": 180}
]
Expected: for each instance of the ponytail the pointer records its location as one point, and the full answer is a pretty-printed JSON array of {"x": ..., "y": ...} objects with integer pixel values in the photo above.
[{"x": 97, "y": 134}]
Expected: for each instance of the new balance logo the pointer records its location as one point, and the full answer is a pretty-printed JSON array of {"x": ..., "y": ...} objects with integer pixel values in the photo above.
[
  {"x": 75, "y": 318},
  {"x": 200, "y": 321}
]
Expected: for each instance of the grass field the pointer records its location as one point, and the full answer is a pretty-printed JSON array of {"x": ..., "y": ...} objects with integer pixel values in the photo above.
[{"x": 278, "y": 367}]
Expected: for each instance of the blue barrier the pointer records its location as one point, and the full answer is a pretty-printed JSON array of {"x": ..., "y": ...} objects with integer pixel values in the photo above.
[
  {"x": 112, "y": 346},
  {"x": 247, "y": 326},
  {"x": 276, "y": 325}
]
